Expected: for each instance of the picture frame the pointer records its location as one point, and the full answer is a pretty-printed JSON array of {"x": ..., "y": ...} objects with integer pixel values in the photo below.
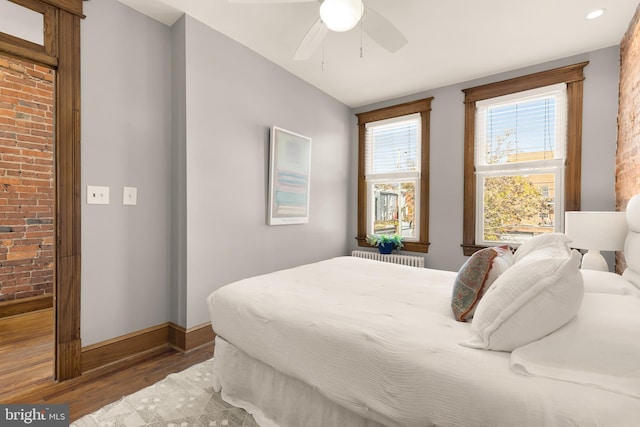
[{"x": 289, "y": 177}]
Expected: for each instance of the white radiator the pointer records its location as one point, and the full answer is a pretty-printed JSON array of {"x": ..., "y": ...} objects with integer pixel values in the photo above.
[{"x": 413, "y": 261}]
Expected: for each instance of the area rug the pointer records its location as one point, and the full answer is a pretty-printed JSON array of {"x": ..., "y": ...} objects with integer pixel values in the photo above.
[{"x": 182, "y": 399}]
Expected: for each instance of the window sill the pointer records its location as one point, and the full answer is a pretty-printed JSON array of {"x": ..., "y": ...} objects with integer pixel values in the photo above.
[
  {"x": 408, "y": 246},
  {"x": 469, "y": 250}
]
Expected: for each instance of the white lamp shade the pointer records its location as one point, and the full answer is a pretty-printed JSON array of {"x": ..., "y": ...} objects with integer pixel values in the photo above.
[
  {"x": 600, "y": 231},
  {"x": 341, "y": 15}
]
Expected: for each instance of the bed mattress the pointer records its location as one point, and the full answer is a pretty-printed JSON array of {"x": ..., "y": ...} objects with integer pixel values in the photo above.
[{"x": 380, "y": 340}]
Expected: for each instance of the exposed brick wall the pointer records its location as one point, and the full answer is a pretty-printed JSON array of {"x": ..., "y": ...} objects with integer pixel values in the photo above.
[
  {"x": 26, "y": 179},
  {"x": 628, "y": 152}
]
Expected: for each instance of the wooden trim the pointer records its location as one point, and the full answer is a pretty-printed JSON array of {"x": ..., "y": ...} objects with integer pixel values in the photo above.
[
  {"x": 422, "y": 245},
  {"x": 395, "y": 111},
  {"x": 51, "y": 31},
  {"x": 573, "y": 76},
  {"x": 408, "y": 246},
  {"x": 14, "y": 46},
  {"x": 68, "y": 206},
  {"x": 469, "y": 201},
  {"x": 142, "y": 343},
  {"x": 61, "y": 51},
  {"x": 45, "y": 54},
  {"x": 124, "y": 347},
  {"x": 566, "y": 74},
  {"x": 573, "y": 165},
  {"x": 362, "y": 187},
  {"x": 188, "y": 339},
  {"x": 73, "y": 7},
  {"x": 468, "y": 250},
  {"x": 422, "y": 106},
  {"x": 25, "y": 305}
]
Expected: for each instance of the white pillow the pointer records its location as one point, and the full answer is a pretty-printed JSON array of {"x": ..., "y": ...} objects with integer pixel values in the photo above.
[
  {"x": 632, "y": 258},
  {"x": 632, "y": 276},
  {"x": 632, "y": 242},
  {"x": 527, "y": 302},
  {"x": 501, "y": 263},
  {"x": 605, "y": 282},
  {"x": 544, "y": 245}
]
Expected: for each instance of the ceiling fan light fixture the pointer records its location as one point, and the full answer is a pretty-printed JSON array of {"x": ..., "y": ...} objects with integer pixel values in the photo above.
[{"x": 341, "y": 15}]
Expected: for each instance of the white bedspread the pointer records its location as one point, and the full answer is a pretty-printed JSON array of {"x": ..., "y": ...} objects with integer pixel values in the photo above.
[
  {"x": 600, "y": 347},
  {"x": 380, "y": 340}
]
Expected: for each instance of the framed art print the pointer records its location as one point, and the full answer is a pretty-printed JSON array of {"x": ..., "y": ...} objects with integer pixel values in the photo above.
[{"x": 289, "y": 177}]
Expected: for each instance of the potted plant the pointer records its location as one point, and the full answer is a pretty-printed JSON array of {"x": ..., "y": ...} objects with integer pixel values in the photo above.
[{"x": 385, "y": 242}]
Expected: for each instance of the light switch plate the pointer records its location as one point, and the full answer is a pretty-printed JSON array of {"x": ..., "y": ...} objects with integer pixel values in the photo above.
[
  {"x": 130, "y": 196},
  {"x": 97, "y": 195}
]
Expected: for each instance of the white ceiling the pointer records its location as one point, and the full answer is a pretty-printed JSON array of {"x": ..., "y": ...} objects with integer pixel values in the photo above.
[{"x": 449, "y": 41}]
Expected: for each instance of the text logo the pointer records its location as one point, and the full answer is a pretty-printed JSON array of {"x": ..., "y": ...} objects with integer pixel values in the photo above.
[{"x": 55, "y": 415}]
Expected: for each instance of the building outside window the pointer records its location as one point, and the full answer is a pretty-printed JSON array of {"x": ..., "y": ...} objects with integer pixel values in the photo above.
[{"x": 393, "y": 173}]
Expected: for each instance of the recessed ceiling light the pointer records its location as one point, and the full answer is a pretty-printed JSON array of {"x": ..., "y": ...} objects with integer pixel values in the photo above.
[{"x": 595, "y": 13}]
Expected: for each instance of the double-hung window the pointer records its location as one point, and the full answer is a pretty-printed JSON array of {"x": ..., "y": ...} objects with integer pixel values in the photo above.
[
  {"x": 520, "y": 146},
  {"x": 522, "y": 156},
  {"x": 393, "y": 173}
]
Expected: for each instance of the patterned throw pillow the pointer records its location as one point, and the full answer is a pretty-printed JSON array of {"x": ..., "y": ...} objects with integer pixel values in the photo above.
[{"x": 475, "y": 277}]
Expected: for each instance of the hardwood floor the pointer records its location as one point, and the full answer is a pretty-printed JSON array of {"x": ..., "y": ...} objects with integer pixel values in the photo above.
[
  {"x": 26, "y": 352},
  {"x": 26, "y": 367}
]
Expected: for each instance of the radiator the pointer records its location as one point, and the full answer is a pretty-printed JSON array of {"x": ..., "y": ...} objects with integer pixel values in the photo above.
[{"x": 413, "y": 261}]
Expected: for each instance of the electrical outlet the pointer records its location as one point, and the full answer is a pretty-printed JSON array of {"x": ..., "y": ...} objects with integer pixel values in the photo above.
[
  {"x": 130, "y": 196},
  {"x": 97, "y": 195}
]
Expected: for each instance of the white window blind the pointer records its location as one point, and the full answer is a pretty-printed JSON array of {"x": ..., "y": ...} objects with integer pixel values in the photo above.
[
  {"x": 520, "y": 145},
  {"x": 514, "y": 130},
  {"x": 392, "y": 171},
  {"x": 392, "y": 147}
]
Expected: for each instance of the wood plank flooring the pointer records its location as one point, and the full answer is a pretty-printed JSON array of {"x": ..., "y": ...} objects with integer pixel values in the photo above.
[
  {"x": 26, "y": 352},
  {"x": 26, "y": 368}
]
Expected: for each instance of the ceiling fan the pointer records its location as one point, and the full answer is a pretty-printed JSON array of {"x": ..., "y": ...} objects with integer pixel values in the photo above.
[{"x": 343, "y": 15}]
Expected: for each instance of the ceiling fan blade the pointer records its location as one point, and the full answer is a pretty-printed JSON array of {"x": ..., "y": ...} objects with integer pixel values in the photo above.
[
  {"x": 382, "y": 31},
  {"x": 311, "y": 41},
  {"x": 270, "y": 1}
]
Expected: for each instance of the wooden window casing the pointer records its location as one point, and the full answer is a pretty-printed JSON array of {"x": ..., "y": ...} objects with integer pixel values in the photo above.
[
  {"x": 423, "y": 107},
  {"x": 61, "y": 51},
  {"x": 573, "y": 76}
]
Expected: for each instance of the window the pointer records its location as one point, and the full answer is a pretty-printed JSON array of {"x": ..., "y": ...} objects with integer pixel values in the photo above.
[
  {"x": 522, "y": 157},
  {"x": 393, "y": 176},
  {"x": 520, "y": 142},
  {"x": 22, "y": 22}
]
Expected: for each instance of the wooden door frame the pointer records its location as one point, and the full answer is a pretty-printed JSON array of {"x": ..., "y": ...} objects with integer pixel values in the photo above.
[{"x": 61, "y": 51}]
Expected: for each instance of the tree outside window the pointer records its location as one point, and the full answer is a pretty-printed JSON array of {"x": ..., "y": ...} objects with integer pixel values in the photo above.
[{"x": 522, "y": 156}]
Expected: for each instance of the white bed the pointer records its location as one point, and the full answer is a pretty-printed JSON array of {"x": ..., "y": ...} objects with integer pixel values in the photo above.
[{"x": 356, "y": 342}]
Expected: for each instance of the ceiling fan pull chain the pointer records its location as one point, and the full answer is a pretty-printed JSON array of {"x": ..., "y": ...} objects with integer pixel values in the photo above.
[
  {"x": 361, "y": 55},
  {"x": 323, "y": 39}
]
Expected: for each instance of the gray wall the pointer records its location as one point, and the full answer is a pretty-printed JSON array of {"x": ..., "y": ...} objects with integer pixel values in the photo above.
[
  {"x": 126, "y": 141},
  {"x": 183, "y": 114},
  {"x": 233, "y": 97},
  {"x": 178, "y": 313},
  {"x": 447, "y": 141}
]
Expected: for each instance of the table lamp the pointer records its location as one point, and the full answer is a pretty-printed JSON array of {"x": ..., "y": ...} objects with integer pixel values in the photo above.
[{"x": 596, "y": 231}]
